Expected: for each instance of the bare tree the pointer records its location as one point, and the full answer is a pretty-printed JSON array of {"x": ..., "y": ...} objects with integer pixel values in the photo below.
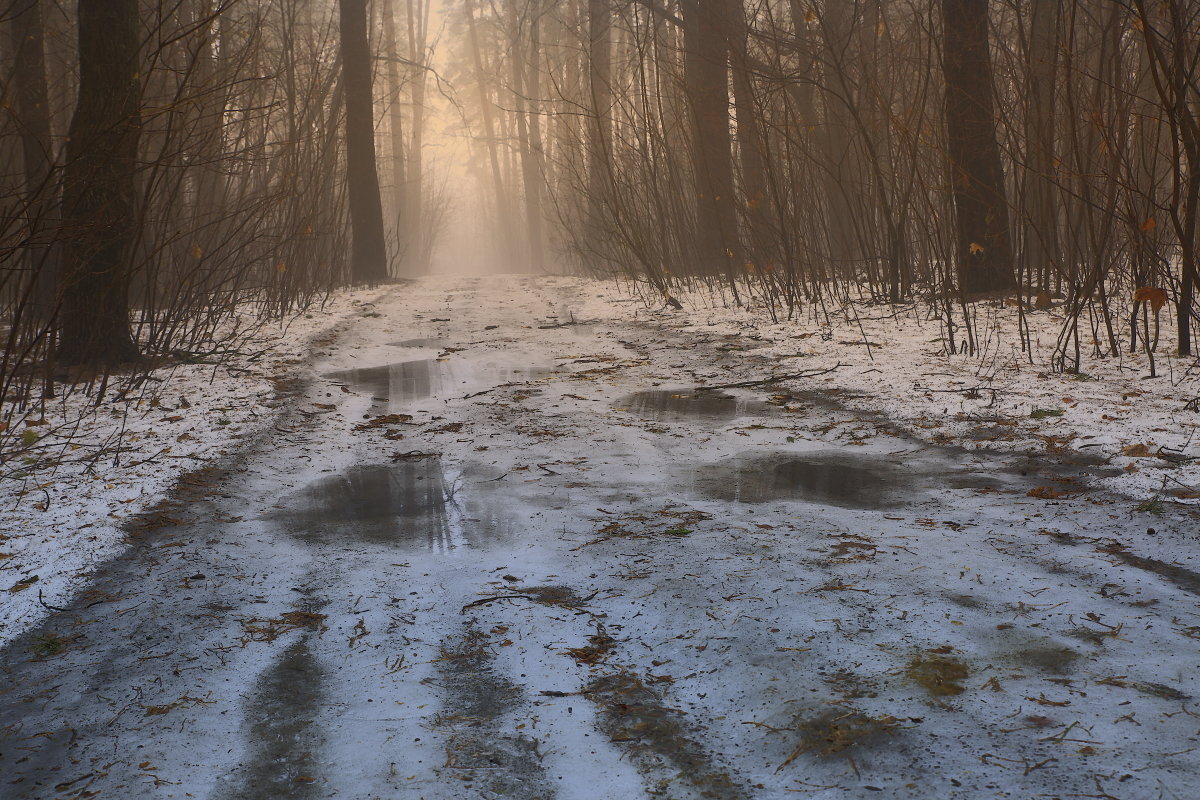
[
  {"x": 369, "y": 254},
  {"x": 99, "y": 195},
  {"x": 984, "y": 247}
]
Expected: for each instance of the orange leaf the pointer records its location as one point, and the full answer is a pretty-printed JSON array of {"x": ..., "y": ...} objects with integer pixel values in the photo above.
[
  {"x": 975, "y": 248},
  {"x": 1156, "y": 297},
  {"x": 1149, "y": 224}
]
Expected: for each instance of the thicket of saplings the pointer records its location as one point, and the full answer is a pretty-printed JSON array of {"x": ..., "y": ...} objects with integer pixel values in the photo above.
[
  {"x": 173, "y": 174},
  {"x": 805, "y": 154}
]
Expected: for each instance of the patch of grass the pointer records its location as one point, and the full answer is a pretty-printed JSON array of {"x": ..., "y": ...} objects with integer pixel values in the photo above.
[
  {"x": 47, "y": 645},
  {"x": 939, "y": 675},
  {"x": 1153, "y": 506},
  {"x": 836, "y": 732},
  {"x": 1043, "y": 413}
]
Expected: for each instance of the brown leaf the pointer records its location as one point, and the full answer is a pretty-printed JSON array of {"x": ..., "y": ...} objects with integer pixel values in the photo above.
[
  {"x": 1156, "y": 297},
  {"x": 23, "y": 584}
]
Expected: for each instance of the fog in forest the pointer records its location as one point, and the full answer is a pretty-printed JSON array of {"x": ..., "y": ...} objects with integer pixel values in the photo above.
[{"x": 599, "y": 399}]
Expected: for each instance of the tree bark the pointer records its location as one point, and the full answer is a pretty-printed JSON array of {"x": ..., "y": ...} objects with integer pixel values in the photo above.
[
  {"x": 1041, "y": 217},
  {"x": 368, "y": 262},
  {"x": 42, "y": 206},
  {"x": 600, "y": 127},
  {"x": 487, "y": 111},
  {"x": 396, "y": 126},
  {"x": 99, "y": 195},
  {"x": 525, "y": 82},
  {"x": 418, "y": 34},
  {"x": 751, "y": 141},
  {"x": 706, "y": 74},
  {"x": 983, "y": 245}
]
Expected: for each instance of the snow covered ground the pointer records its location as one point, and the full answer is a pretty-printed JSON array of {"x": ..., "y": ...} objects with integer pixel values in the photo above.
[
  {"x": 87, "y": 469},
  {"x": 1003, "y": 398},
  {"x": 496, "y": 544}
]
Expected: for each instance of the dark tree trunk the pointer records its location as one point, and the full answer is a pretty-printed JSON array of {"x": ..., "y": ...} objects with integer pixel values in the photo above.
[
  {"x": 99, "y": 197},
  {"x": 707, "y": 77},
  {"x": 751, "y": 141},
  {"x": 31, "y": 105},
  {"x": 1041, "y": 220},
  {"x": 983, "y": 244},
  {"x": 368, "y": 257},
  {"x": 396, "y": 122},
  {"x": 600, "y": 127}
]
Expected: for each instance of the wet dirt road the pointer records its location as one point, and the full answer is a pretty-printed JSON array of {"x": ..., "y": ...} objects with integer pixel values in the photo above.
[{"x": 502, "y": 548}]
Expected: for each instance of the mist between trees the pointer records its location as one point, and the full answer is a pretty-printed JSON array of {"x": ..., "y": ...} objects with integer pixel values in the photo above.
[{"x": 167, "y": 166}]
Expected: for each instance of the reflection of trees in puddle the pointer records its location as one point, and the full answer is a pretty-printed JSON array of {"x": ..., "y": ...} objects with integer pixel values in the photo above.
[
  {"x": 833, "y": 479},
  {"x": 391, "y": 385},
  {"x": 282, "y": 729},
  {"x": 409, "y": 504},
  {"x": 679, "y": 404}
]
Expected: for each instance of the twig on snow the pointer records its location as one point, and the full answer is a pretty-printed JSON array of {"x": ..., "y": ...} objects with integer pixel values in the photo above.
[{"x": 773, "y": 379}]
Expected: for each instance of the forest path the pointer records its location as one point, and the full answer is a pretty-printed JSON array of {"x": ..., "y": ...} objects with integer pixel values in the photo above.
[{"x": 502, "y": 548}]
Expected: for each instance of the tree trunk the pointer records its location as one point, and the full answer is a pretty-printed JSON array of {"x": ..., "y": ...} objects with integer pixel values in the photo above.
[
  {"x": 983, "y": 246},
  {"x": 503, "y": 214},
  {"x": 99, "y": 196},
  {"x": 706, "y": 76},
  {"x": 525, "y": 80},
  {"x": 396, "y": 125},
  {"x": 41, "y": 201},
  {"x": 1041, "y": 216},
  {"x": 599, "y": 193},
  {"x": 751, "y": 141},
  {"x": 418, "y": 34},
  {"x": 368, "y": 262}
]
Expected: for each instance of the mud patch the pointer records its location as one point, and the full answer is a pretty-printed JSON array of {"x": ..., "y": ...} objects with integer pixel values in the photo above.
[
  {"x": 682, "y": 404},
  {"x": 1182, "y": 577},
  {"x": 429, "y": 344},
  {"x": 840, "y": 733},
  {"x": 1041, "y": 654},
  {"x": 633, "y": 714},
  {"x": 479, "y": 752},
  {"x": 940, "y": 675},
  {"x": 281, "y": 720}
]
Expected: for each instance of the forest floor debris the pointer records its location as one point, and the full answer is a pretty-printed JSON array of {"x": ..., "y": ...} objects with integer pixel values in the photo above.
[{"x": 761, "y": 620}]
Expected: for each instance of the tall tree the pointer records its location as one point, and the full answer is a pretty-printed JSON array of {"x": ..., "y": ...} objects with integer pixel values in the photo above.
[
  {"x": 488, "y": 112},
  {"x": 99, "y": 198},
  {"x": 706, "y": 59},
  {"x": 599, "y": 132},
  {"x": 420, "y": 239},
  {"x": 396, "y": 125},
  {"x": 1169, "y": 31},
  {"x": 31, "y": 106},
  {"x": 368, "y": 248},
  {"x": 983, "y": 244},
  {"x": 1040, "y": 226}
]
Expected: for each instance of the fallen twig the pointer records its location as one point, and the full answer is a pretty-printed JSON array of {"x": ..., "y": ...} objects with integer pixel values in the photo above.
[{"x": 773, "y": 379}]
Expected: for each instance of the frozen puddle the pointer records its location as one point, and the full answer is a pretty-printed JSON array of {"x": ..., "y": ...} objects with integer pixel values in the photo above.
[
  {"x": 403, "y": 382},
  {"x": 679, "y": 404},
  {"x": 409, "y": 504},
  {"x": 864, "y": 481}
]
